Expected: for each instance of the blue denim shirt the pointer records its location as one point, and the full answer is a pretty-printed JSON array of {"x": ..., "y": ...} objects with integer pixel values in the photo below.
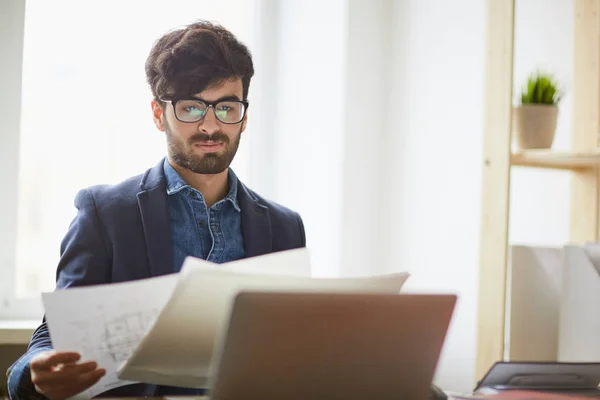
[
  {"x": 213, "y": 234},
  {"x": 19, "y": 379}
]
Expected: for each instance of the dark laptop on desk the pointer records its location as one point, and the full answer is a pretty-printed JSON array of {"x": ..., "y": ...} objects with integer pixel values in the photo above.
[
  {"x": 292, "y": 346},
  {"x": 580, "y": 379}
]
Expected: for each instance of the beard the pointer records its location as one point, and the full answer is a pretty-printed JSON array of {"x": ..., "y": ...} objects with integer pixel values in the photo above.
[{"x": 183, "y": 154}]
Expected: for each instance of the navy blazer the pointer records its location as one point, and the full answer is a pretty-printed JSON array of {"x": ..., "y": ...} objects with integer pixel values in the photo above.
[{"x": 121, "y": 233}]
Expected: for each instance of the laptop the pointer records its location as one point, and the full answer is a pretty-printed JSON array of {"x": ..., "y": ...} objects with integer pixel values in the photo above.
[{"x": 300, "y": 346}]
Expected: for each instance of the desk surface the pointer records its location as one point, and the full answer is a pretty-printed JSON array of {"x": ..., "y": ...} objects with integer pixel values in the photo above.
[{"x": 160, "y": 398}]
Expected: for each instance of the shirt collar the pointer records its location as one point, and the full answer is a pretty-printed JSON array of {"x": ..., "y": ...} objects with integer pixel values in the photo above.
[{"x": 175, "y": 184}]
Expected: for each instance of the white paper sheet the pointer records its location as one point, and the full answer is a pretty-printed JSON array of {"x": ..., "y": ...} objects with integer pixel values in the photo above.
[
  {"x": 105, "y": 323},
  {"x": 163, "y": 330},
  {"x": 179, "y": 349}
]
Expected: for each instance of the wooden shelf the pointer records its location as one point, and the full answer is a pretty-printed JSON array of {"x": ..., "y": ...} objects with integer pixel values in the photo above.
[
  {"x": 556, "y": 160},
  {"x": 498, "y": 159}
]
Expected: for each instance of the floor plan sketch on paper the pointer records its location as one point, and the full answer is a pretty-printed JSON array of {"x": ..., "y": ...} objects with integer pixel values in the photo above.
[
  {"x": 112, "y": 335},
  {"x": 105, "y": 323},
  {"x": 81, "y": 332},
  {"x": 121, "y": 335}
]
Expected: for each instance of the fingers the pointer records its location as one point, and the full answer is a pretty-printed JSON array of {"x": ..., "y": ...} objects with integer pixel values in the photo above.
[
  {"x": 58, "y": 390},
  {"x": 57, "y": 375},
  {"x": 64, "y": 372},
  {"x": 48, "y": 359}
]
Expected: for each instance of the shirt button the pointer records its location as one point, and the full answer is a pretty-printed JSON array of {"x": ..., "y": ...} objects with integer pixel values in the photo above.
[{"x": 201, "y": 223}]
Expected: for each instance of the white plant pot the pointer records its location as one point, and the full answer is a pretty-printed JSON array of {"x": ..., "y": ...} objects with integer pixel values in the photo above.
[{"x": 535, "y": 125}]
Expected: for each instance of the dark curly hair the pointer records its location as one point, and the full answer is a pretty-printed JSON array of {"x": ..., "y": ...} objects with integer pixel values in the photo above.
[{"x": 186, "y": 61}]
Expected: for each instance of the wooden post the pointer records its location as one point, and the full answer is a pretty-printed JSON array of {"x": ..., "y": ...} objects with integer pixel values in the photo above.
[
  {"x": 496, "y": 184},
  {"x": 586, "y": 119}
]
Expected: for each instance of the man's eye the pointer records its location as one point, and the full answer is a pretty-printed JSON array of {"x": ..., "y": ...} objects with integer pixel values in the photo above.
[{"x": 193, "y": 110}]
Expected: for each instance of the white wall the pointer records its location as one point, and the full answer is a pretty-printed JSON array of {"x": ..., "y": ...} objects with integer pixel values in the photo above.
[
  {"x": 308, "y": 120},
  {"x": 409, "y": 191},
  {"x": 365, "y": 181},
  {"x": 435, "y": 152},
  {"x": 379, "y": 135},
  {"x": 434, "y": 163}
]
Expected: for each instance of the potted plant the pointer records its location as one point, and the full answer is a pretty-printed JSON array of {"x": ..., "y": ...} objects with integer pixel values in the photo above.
[{"x": 535, "y": 118}]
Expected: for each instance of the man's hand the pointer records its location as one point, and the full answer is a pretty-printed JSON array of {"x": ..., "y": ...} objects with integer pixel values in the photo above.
[{"x": 57, "y": 375}]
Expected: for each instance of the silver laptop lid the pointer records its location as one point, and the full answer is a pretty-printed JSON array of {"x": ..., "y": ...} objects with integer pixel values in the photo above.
[{"x": 299, "y": 346}]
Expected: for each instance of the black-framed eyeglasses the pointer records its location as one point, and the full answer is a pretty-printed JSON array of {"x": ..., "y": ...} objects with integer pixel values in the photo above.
[{"x": 193, "y": 110}]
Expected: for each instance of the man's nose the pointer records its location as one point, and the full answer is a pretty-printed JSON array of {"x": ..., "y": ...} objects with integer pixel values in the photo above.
[{"x": 209, "y": 124}]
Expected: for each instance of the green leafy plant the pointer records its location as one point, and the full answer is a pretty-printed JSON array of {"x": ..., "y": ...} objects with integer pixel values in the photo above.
[{"x": 541, "y": 89}]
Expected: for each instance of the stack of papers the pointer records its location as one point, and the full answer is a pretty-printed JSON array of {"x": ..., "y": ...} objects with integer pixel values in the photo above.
[{"x": 164, "y": 330}]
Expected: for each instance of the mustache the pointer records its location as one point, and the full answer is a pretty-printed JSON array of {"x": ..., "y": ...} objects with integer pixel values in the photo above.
[{"x": 203, "y": 137}]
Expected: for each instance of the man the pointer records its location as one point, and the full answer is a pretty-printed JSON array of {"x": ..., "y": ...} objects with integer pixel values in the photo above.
[{"x": 190, "y": 203}]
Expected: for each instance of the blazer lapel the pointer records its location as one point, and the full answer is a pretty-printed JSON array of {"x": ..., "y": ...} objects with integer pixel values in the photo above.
[
  {"x": 256, "y": 224},
  {"x": 152, "y": 201}
]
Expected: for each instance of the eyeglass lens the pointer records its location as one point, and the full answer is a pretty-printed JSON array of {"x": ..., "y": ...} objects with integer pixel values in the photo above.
[{"x": 229, "y": 112}]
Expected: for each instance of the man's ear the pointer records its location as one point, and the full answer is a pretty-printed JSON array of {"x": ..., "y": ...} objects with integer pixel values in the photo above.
[{"x": 158, "y": 115}]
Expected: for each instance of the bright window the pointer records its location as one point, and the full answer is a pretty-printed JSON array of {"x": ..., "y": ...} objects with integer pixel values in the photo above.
[{"x": 86, "y": 115}]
